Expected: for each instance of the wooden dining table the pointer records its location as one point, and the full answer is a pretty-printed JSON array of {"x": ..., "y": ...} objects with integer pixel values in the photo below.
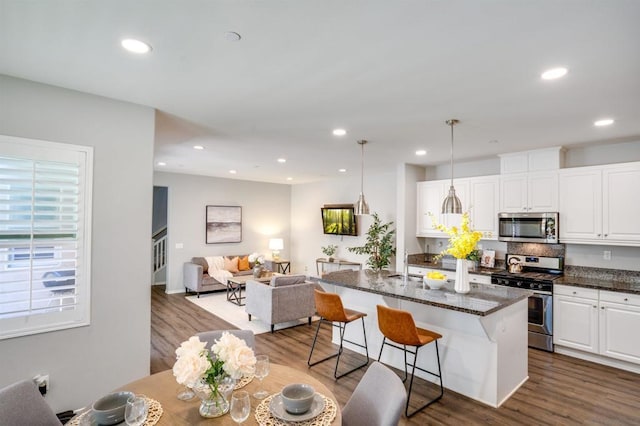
[{"x": 163, "y": 388}]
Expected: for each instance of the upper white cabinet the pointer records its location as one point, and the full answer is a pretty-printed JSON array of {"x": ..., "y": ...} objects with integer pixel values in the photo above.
[
  {"x": 532, "y": 161},
  {"x": 600, "y": 205},
  {"x": 529, "y": 192},
  {"x": 484, "y": 196},
  {"x": 431, "y": 194}
]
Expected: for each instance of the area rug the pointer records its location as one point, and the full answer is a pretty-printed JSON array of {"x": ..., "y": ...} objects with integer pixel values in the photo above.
[{"x": 217, "y": 304}]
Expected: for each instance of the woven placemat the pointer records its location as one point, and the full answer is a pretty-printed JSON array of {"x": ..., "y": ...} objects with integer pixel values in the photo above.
[
  {"x": 155, "y": 412},
  {"x": 265, "y": 418},
  {"x": 244, "y": 381}
]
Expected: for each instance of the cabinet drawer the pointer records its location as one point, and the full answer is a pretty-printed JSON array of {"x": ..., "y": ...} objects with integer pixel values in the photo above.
[
  {"x": 480, "y": 279},
  {"x": 566, "y": 290},
  {"x": 416, "y": 270},
  {"x": 622, "y": 298}
]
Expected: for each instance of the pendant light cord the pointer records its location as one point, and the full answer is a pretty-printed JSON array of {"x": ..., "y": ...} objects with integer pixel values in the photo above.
[
  {"x": 362, "y": 166},
  {"x": 452, "y": 123}
]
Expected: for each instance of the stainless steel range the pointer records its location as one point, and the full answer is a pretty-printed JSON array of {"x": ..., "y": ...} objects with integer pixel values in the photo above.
[{"x": 536, "y": 274}]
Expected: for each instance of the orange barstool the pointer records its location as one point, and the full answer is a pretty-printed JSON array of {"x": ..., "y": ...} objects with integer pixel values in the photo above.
[
  {"x": 329, "y": 307},
  {"x": 398, "y": 326}
]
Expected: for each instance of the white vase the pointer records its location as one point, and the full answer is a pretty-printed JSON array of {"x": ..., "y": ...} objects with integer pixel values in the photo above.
[{"x": 462, "y": 276}]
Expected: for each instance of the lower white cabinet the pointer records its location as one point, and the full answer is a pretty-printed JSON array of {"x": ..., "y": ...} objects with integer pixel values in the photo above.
[{"x": 597, "y": 321}]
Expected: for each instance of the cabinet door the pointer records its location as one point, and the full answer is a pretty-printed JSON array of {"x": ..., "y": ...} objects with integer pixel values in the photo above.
[
  {"x": 619, "y": 325},
  {"x": 513, "y": 193},
  {"x": 484, "y": 204},
  {"x": 542, "y": 192},
  {"x": 621, "y": 203},
  {"x": 575, "y": 322},
  {"x": 430, "y": 197},
  {"x": 580, "y": 205}
]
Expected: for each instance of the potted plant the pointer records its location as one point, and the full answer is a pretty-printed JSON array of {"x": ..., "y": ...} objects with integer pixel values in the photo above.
[
  {"x": 329, "y": 251},
  {"x": 379, "y": 245}
]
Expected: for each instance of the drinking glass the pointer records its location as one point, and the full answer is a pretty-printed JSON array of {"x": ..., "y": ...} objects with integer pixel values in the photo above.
[
  {"x": 262, "y": 371},
  {"x": 240, "y": 406},
  {"x": 185, "y": 393},
  {"x": 135, "y": 413}
]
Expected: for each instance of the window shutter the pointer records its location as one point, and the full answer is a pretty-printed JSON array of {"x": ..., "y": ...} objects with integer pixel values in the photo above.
[{"x": 44, "y": 250}]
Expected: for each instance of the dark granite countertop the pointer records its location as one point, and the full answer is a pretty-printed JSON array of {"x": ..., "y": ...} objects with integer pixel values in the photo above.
[
  {"x": 482, "y": 300},
  {"x": 600, "y": 284},
  {"x": 438, "y": 265}
]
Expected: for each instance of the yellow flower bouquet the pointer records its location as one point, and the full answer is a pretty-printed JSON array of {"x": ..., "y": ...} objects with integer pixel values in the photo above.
[{"x": 462, "y": 240}]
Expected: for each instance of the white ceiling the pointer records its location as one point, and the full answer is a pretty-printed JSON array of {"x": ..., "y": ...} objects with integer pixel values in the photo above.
[{"x": 387, "y": 71}]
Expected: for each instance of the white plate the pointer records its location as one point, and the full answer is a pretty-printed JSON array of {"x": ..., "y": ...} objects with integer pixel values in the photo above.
[{"x": 276, "y": 407}]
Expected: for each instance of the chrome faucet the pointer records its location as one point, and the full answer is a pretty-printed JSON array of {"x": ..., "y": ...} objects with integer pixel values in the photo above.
[{"x": 405, "y": 269}]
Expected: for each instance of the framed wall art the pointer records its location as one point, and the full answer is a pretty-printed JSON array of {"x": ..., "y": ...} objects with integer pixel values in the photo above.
[{"x": 223, "y": 224}]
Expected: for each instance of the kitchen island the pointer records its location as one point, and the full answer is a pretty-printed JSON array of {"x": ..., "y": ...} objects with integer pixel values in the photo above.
[{"x": 483, "y": 351}]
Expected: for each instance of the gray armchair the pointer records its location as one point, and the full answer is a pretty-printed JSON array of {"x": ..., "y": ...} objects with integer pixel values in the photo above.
[{"x": 285, "y": 298}]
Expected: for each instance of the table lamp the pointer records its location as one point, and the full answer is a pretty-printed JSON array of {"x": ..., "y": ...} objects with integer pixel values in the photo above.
[{"x": 275, "y": 245}]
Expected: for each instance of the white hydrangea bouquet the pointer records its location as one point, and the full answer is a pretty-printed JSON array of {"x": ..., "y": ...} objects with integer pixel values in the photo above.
[
  {"x": 256, "y": 259},
  {"x": 196, "y": 368}
]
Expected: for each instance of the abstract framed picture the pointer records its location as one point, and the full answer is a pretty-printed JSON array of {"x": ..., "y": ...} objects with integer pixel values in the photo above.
[{"x": 224, "y": 224}]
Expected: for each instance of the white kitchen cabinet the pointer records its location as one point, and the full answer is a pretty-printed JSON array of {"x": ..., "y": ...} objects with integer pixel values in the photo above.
[
  {"x": 598, "y": 205},
  {"x": 529, "y": 192},
  {"x": 575, "y": 318},
  {"x": 430, "y": 195},
  {"x": 619, "y": 325},
  {"x": 484, "y": 195},
  {"x": 597, "y": 321},
  {"x": 532, "y": 161}
]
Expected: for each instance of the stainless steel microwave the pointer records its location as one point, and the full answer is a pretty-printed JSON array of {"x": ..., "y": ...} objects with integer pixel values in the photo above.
[{"x": 528, "y": 227}]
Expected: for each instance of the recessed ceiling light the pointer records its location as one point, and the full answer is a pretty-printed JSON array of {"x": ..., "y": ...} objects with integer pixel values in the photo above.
[
  {"x": 603, "y": 122},
  {"x": 200, "y": 147},
  {"x": 554, "y": 73},
  {"x": 232, "y": 36},
  {"x": 339, "y": 132},
  {"x": 289, "y": 178},
  {"x": 342, "y": 170},
  {"x": 233, "y": 172},
  {"x": 161, "y": 163},
  {"x": 421, "y": 152},
  {"x": 282, "y": 160},
  {"x": 135, "y": 46}
]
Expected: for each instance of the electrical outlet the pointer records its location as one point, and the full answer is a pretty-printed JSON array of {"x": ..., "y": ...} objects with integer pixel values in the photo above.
[
  {"x": 42, "y": 381},
  {"x": 607, "y": 255}
]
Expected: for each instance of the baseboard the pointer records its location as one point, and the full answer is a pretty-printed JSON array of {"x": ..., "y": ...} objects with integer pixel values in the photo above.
[
  {"x": 175, "y": 291},
  {"x": 598, "y": 359}
]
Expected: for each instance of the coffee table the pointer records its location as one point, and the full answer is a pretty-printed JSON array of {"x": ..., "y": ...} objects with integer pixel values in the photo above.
[{"x": 235, "y": 285}]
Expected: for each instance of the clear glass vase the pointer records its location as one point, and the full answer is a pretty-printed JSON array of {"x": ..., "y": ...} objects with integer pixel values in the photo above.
[{"x": 214, "y": 398}]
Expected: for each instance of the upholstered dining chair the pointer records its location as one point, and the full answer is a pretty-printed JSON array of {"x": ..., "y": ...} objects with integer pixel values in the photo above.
[
  {"x": 211, "y": 336},
  {"x": 22, "y": 404},
  {"x": 378, "y": 400}
]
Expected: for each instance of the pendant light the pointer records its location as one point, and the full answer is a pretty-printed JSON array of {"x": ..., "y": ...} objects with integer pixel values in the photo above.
[
  {"x": 452, "y": 203},
  {"x": 361, "y": 206}
]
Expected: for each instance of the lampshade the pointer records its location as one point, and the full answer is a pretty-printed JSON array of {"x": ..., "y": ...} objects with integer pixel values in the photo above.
[
  {"x": 452, "y": 204},
  {"x": 276, "y": 244}
]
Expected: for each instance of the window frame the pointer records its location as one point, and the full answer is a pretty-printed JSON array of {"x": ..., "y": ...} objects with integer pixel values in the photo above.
[{"x": 77, "y": 314}]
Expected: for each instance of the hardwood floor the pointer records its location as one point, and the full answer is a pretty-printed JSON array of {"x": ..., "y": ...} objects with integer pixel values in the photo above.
[{"x": 561, "y": 390}]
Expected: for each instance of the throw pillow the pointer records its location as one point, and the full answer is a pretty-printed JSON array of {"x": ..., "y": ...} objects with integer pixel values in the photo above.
[
  {"x": 243, "y": 263},
  {"x": 231, "y": 265}
]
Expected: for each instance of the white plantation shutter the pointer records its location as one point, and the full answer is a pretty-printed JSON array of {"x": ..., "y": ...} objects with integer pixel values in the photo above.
[{"x": 45, "y": 221}]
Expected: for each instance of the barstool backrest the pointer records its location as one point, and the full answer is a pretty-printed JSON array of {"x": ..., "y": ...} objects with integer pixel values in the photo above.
[
  {"x": 398, "y": 325},
  {"x": 329, "y": 306}
]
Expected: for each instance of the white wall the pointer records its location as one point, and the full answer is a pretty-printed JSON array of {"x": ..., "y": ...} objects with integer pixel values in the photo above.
[
  {"x": 265, "y": 214},
  {"x": 87, "y": 362},
  {"x": 306, "y": 223}
]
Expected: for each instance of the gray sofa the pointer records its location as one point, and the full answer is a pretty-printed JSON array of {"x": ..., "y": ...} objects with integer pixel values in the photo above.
[
  {"x": 197, "y": 279},
  {"x": 285, "y": 298}
]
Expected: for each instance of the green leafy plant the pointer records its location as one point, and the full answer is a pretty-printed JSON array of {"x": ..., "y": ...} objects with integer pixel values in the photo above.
[
  {"x": 379, "y": 245},
  {"x": 474, "y": 255},
  {"x": 329, "y": 250}
]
